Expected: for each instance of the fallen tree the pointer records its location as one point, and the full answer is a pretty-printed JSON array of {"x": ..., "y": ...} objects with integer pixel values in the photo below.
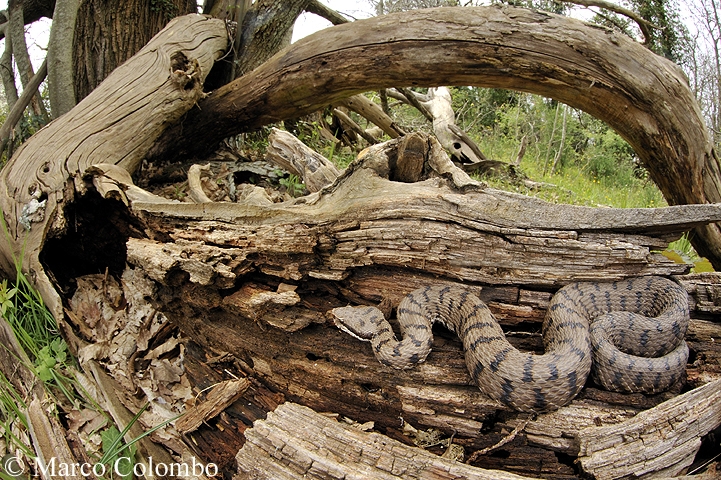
[{"x": 249, "y": 285}]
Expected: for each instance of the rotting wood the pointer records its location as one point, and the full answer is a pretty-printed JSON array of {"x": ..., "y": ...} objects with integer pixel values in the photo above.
[
  {"x": 663, "y": 440},
  {"x": 410, "y": 232},
  {"x": 450, "y": 228},
  {"x": 49, "y": 442},
  {"x": 289, "y": 153},
  {"x": 117, "y": 123},
  {"x": 219, "y": 398},
  {"x": 295, "y": 441}
]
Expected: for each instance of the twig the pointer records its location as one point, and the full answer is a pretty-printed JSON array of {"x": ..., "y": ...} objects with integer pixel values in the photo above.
[
  {"x": 643, "y": 24},
  {"x": 508, "y": 438}
]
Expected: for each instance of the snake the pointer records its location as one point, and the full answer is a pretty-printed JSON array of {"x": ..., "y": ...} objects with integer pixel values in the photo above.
[{"x": 626, "y": 335}]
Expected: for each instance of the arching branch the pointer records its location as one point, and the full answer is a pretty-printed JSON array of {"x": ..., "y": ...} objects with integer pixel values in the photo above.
[{"x": 643, "y": 96}]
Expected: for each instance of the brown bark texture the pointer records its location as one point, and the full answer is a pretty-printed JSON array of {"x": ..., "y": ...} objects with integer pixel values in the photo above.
[
  {"x": 104, "y": 38},
  {"x": 644, "y": 97}
]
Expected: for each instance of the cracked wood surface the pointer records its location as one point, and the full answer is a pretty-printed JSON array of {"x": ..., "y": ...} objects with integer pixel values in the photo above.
[{"x": 117, "y": 123}]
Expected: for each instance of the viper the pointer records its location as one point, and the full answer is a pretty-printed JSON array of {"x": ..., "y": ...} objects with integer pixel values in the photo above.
[{"x": 628, "y": 335}]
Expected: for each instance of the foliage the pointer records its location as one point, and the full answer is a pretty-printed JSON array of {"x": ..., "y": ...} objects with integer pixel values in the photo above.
[
  {"x": 293, "y": 185},
  {"x": 168, "y": 7},
  {"x": 383, "y": 7},
  {"x": 668, "y": 33}
]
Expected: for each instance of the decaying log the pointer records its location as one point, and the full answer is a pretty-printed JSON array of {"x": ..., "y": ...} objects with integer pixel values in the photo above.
[
  {"x": 294, "y": 441},
  {"x": 294, "y": 156},
  {"x": 663, "y": 440},
  {"x": 252, "y": 282},
  {"x": 118, "y": 123},
  {"x": 256, "y": 281}
]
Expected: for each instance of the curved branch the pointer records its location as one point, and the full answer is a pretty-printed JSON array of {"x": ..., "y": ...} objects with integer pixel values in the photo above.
[
  {"x": 33, "y": 10},
  {"x": 641, "y": 95},
  {"x": 642, "y": 23}
]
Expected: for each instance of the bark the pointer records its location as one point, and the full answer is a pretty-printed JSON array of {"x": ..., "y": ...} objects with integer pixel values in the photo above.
[
  {"x": 7, "y": 73},
  {"x": 104, "y": 37},
  {"x": 16, "y": 31},
  {"x": 590, "y": 68},
  {"x": 61, "y": 83},
  {"x": 16, "y": 113},
  {"x": 267, "y": 28}
]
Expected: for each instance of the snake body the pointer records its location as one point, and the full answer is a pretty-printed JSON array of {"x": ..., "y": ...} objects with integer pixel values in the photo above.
[{"x": 627, "y": 334}]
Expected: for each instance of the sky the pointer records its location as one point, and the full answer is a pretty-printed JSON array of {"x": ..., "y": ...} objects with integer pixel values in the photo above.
[{"x": 308, "y": 23}]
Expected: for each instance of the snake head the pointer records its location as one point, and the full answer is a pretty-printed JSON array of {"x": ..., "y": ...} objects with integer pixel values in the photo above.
[{"x": 360, "y": 322}]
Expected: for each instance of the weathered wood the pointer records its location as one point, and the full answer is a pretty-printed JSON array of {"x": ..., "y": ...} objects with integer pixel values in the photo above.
[
  {"x": 370, "y": 110},
  {"x": 663, "y": 440},
  {"x": 49, "y": 442},
  {"x": 294, "y": 441},
  {"x": 457, "y": 230},
  {"x": 456, "y": 142},
  {"x": 289, "y": 153},
  {"x": 587, "y": 67},
  {"x": 117, "y": 123},
  {"x": 220, "y": 397}
]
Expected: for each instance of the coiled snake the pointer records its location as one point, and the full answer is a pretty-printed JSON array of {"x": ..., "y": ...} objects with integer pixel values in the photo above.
[{"x": 627, "y": 334}]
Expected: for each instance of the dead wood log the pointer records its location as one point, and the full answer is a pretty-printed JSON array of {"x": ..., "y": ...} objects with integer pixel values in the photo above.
[
  {"x": 117, "y": 123},
  {"x": 663, "y": 440},
  {"x": 370, "y": 110},
  {"x": 223, "y": 271},
  {"x": 289, "y": 153},
  {"x": 586, "y": 67},
  {"x": 294, "y": 441}
]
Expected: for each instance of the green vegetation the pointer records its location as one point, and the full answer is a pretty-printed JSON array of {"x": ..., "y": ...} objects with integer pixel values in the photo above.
[
  {"x": 576, "y": 158},
  {"x": 35, "y": 329}
]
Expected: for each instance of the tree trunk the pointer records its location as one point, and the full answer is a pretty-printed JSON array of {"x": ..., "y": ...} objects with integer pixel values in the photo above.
[
  {"x": 61, "y": 82},
  {"x": 267, "y": 28},
  {"x": 108, "y": 32},
  {"x": 588, "y": 68}
]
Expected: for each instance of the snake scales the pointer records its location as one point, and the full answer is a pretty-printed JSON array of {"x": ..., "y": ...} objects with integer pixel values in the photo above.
[{"x": 628, "y": 335}]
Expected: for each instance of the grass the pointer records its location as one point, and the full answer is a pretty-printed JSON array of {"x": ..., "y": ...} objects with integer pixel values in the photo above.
[
  {"x": 37, "y": 334},
  {"x": 573, "y": 186}
]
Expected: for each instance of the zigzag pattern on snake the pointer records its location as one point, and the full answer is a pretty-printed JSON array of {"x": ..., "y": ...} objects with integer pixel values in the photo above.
[{"x": 628, "y": 334}]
